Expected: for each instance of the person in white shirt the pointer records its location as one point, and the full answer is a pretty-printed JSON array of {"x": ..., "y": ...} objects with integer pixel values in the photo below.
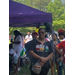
[
  {"x": 28, "y": 37},
  {"x": 18, "y": 45}
]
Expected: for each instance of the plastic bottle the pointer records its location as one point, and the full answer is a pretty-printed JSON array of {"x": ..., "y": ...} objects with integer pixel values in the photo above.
[
  {"x": 24, "y": 51},
  {"x": 21, "y": 53},
  {"x": 60, "y": 63}
]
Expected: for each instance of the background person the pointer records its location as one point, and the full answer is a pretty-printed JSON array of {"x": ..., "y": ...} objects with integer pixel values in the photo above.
[
  {"x": 14, "y": 58},
  {"x": 54, "y": 42},
  {"x": 34, "y": 36},
  {"x": 58, "y": 47},
  {"x": 17, "y": 45},
  {"x": 61, "y": 33},
  {"x": 28, "y": 37}
]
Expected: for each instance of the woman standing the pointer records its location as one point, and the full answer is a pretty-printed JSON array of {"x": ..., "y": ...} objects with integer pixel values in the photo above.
[
  {"x": 55, "y": 41},
  {"x": 17, "y": 46},
  {"x": 36, "y": 50}
]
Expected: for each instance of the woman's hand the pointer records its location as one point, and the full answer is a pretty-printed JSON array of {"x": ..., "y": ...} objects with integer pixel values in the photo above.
[
  {"x": 41, "y": 63},
  {"x": 43, "y": 59}
]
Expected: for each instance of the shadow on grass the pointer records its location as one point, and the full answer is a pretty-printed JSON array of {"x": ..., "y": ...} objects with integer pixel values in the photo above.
[{"x": 24, "y": 71}]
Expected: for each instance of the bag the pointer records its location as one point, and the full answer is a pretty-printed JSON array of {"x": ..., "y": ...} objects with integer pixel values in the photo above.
[
  {"x": 21, "y": 62},
  {"x": 36, "y": 68},
  {"x": 27, "y": 61}
]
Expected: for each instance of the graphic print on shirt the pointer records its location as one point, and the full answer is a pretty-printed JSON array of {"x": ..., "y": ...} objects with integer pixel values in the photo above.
[
  {"x": 46, "y": 48},
  {"x": 40, "y": 48}
]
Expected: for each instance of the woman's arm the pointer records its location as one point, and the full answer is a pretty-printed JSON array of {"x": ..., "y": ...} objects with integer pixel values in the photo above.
[
  {"x": 35, "y": 55},
  {"x": 42, "y": 59},
  {"x": 58, "y": 50},
  {"x": 49, "y": 56},
  {"x": 16, "y": 42}
]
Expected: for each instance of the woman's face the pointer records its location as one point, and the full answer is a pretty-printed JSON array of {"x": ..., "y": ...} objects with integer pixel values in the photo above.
[
  {"x": 61, "y": 37},
  {"x": 42, "y": 33}
]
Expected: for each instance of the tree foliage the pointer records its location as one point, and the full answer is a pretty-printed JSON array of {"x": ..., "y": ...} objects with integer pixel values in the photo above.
[
  {"x": 38, "y": 4},
  {"x": 56, "y": 7},
  {"x": 23, "y": 30},
  {"x": 59, "y": 25}
]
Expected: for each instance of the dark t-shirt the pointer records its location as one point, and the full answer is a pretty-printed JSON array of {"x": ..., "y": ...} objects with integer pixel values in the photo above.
[
  {"x": 36, "y": 46},
  {"x": 27, "y": 47}
]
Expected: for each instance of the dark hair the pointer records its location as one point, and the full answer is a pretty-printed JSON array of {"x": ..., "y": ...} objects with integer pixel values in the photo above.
[
  {"x": 10, "y": 45},
  {"x": 55, "y": 34},
  {"x": 46, "y": 36},
  {"x": 17, "y": 32},
  {"x": 41, "y": 29},
  {"x": 62, "y": 34}
]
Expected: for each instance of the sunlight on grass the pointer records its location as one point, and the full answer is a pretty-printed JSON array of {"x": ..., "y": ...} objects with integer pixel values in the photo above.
[{"x": 25, "y": 71}]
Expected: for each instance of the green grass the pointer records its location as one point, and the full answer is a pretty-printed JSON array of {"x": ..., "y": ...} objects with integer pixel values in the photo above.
[
  {"x": 49, "y": 73},
  {"x": 25, "y": 71}
]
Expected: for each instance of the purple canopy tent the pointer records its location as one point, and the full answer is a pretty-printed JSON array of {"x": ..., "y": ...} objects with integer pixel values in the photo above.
[{"x": 24, "y": 16}]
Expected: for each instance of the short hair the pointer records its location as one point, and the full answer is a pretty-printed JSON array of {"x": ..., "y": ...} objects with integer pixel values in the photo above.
[{"x": 41, "y": 29}]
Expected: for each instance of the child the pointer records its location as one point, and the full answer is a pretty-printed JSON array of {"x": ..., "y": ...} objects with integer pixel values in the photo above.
[{"x": 14, "y": 58}]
